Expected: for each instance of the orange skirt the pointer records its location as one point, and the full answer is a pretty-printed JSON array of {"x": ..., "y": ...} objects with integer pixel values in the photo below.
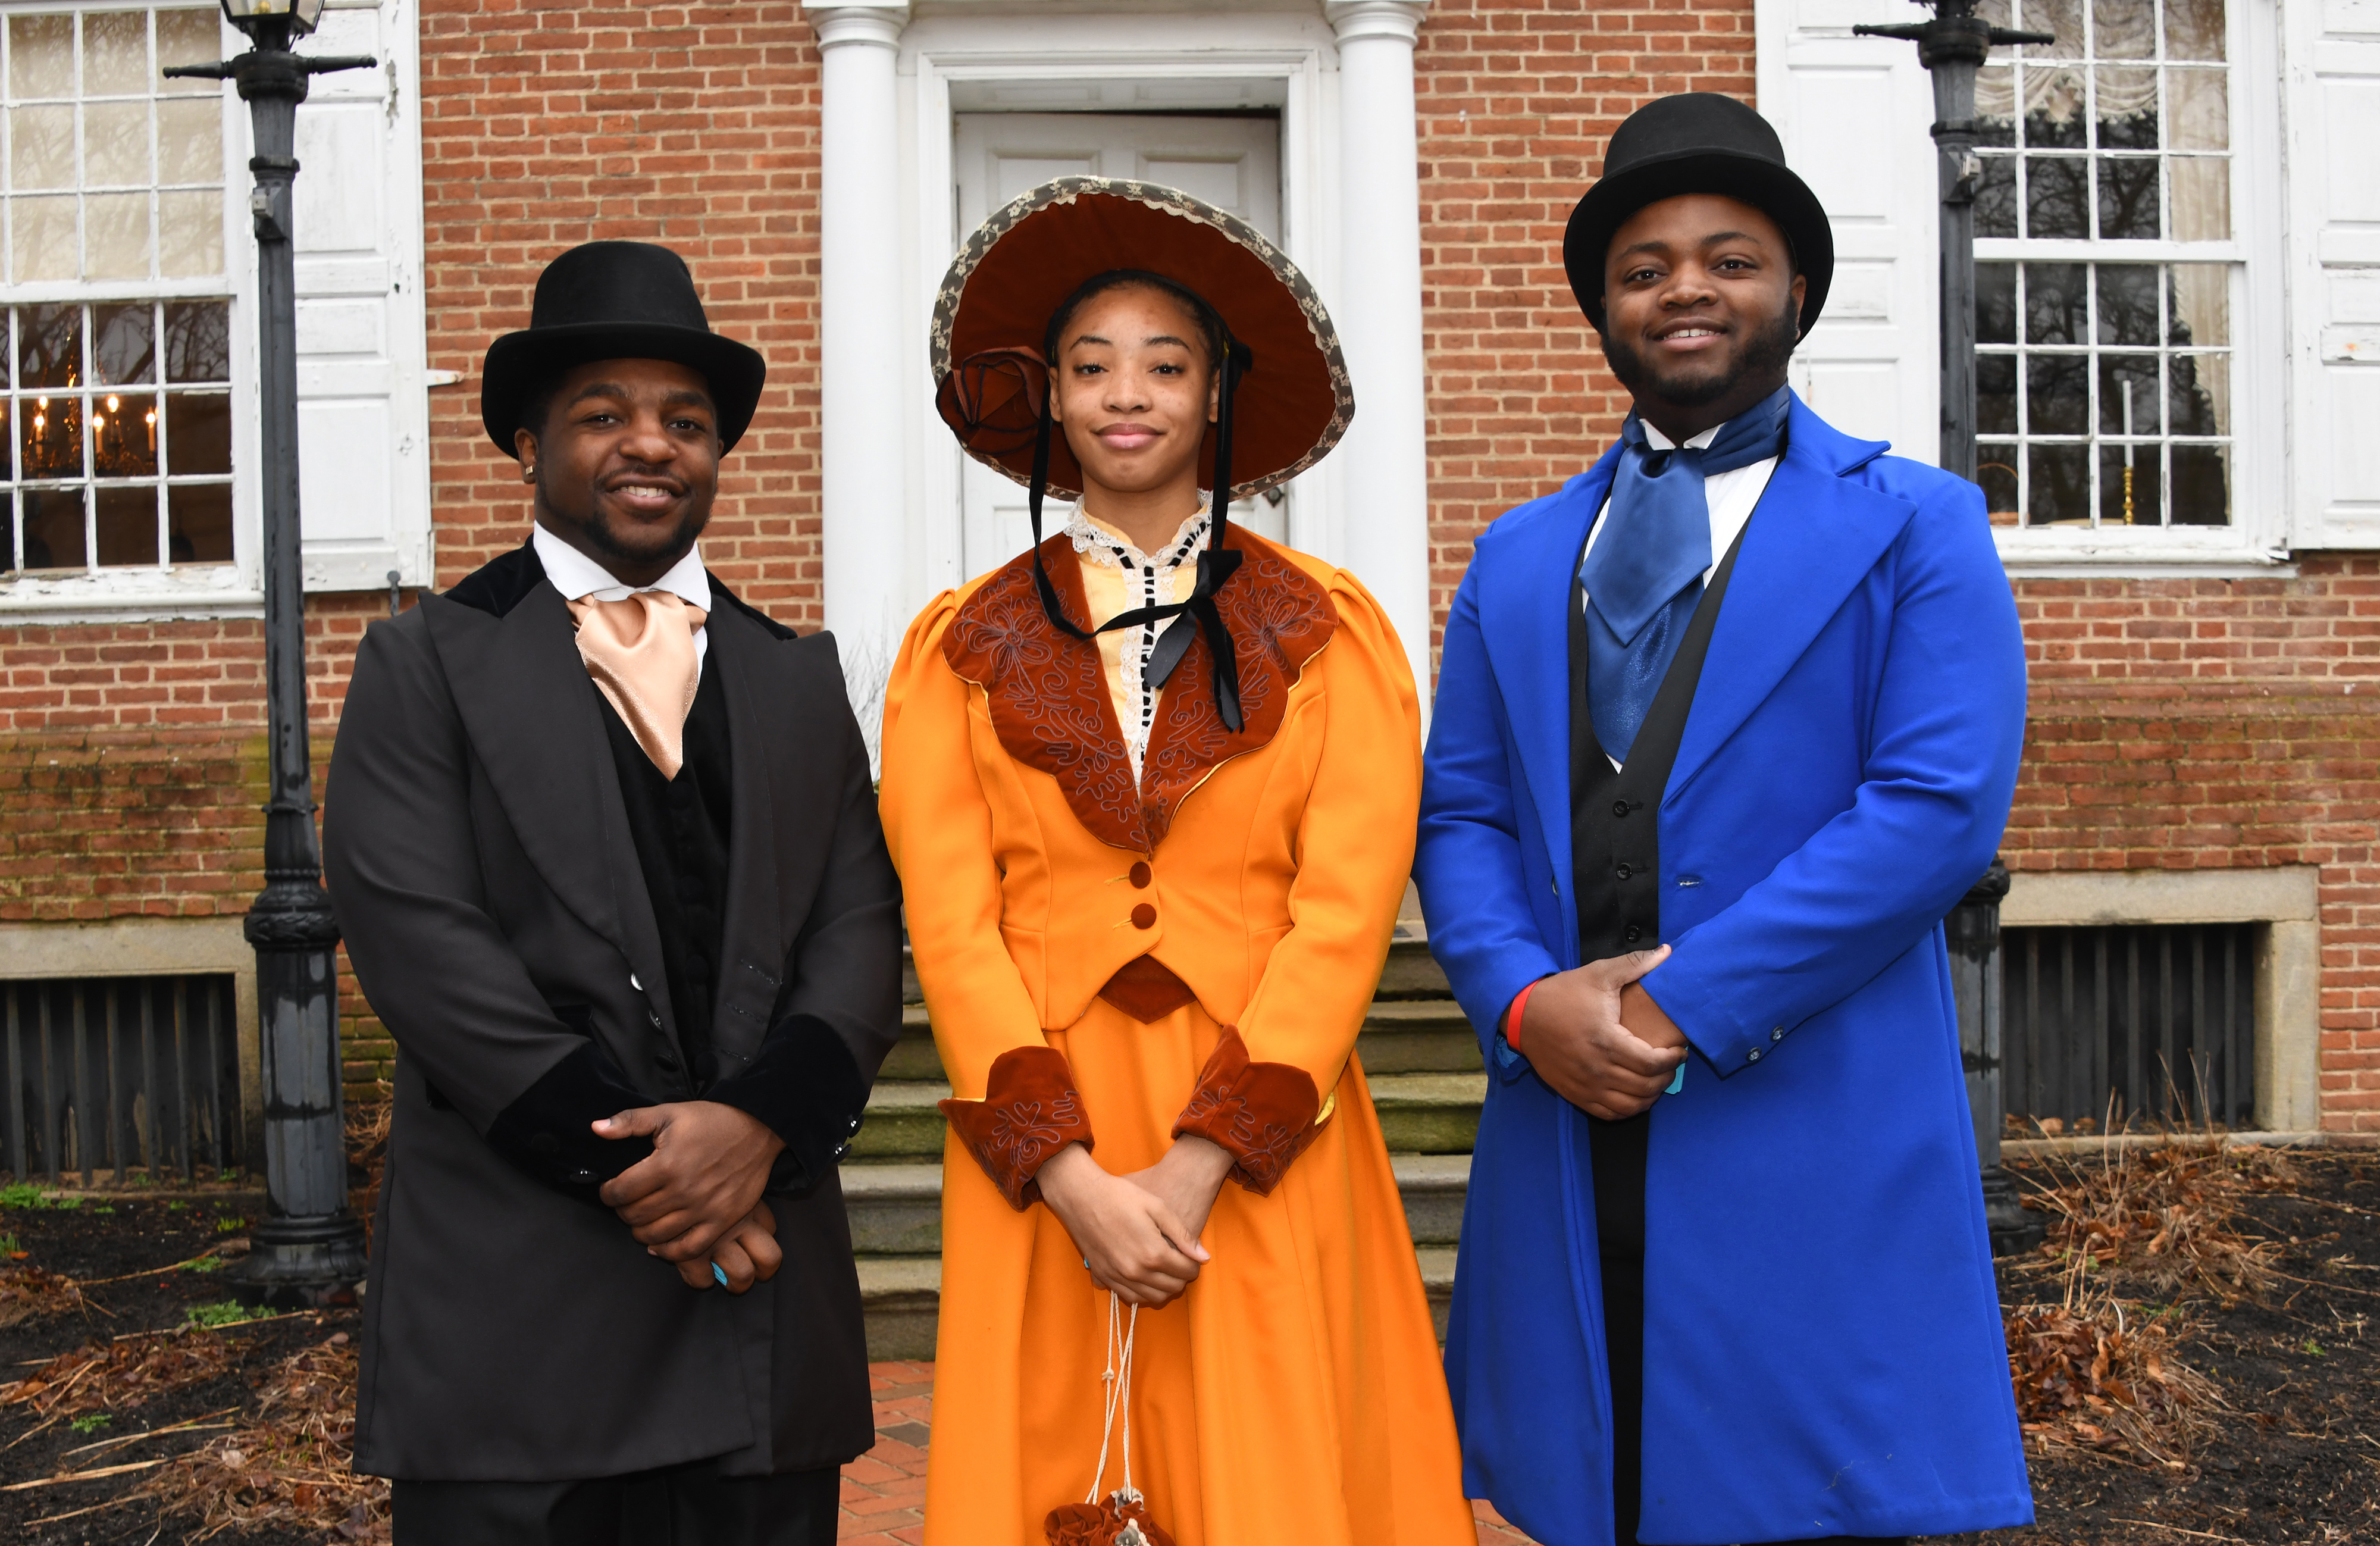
[{"x": 1293, "y": 1396}]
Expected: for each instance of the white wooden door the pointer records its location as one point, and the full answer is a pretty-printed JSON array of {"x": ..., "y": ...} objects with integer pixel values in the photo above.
[
  {"x": 1233, "y": 162},
  {"x": 1853, "y": 113}
]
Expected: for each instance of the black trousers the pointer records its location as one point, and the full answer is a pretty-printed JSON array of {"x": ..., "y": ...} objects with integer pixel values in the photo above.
[
  {"x": 676, "y": 1506},
  {"x": 1618, "y": 1150}
]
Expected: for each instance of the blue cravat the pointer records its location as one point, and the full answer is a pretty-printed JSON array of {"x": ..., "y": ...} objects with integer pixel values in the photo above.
[{"x": 1644, "y": 575}]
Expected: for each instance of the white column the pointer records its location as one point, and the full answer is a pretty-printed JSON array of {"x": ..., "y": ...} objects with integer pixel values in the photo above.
[
  {"x": 861, "y": 405},
  {"x": 1383, "y": 467}
]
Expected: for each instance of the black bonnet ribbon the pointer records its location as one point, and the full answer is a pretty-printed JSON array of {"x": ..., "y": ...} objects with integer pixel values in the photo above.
[{"x": 1216, "y": 565}]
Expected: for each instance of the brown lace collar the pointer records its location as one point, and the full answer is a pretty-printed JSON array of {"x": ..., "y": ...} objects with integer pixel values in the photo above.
[{"x": 1049, "y": 698}]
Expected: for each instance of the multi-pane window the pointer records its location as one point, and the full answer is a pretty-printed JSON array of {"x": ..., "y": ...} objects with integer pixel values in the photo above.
[
  {"x": 116, "y": 294},
  {"x": 123, "y": 433},
  {"x": 2103, "y": 381}
]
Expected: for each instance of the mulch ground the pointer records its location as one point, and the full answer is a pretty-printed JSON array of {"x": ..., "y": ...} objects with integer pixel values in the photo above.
[{"x": 2280, "y": 1442}]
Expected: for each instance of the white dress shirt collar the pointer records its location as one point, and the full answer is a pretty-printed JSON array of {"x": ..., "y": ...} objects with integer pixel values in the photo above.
[
  {"x": 1660, "y": 441},
  {"x": 578, "y": 577}
]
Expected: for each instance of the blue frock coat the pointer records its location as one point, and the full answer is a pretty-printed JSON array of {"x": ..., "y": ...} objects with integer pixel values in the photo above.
[{"x": 1823, "y": 1347}]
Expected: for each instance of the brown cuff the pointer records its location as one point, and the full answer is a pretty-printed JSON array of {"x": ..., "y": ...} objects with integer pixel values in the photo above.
[
  {"x": 1262, "y": 1113},
  {"x": 1030, "y": 1110}
]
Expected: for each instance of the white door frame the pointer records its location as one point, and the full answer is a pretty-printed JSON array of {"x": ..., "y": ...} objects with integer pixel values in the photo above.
[
  {"x": 964, "y": 57},
  {"x": 1116, "y": 48}
]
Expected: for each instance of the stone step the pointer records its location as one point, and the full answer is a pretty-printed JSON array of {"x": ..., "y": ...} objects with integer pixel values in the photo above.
[
  {"x": 1423, "y": 1113},
  {"x": 904, "y": 1121},
  {"x": 900, "y": 1297},
  {"x": 1399, "y": 1035},
  {"x": 896, "y": 1210},
  {"x": 1429, "y": 1114}
]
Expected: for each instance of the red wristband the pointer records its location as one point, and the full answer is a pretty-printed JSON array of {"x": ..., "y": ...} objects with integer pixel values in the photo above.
[{"x": 1512, "y": 1016}]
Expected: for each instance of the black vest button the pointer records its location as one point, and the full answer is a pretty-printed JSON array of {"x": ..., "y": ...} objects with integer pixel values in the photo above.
[
  {"x": 1624, "y": 871},
  {"x": 1633, "y": 934},
  {"x": 1620, "y": 808}
]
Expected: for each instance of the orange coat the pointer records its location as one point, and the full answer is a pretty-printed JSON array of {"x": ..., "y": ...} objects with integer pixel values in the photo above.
[{"x": 1295, "y": 1393}]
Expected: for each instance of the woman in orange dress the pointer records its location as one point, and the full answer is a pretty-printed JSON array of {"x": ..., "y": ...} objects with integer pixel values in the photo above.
[{"x": 1151, "y": 790}]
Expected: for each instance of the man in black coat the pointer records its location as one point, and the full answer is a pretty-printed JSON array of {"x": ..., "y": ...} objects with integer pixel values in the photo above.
[{"x": 605, "y": 853}]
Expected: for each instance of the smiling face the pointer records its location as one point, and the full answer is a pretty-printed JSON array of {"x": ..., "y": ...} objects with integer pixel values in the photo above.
[
  {"x": 1135, "y": 392},
  {"x": 1702, "y": 309},
  {"x": 625, "y": 464}
]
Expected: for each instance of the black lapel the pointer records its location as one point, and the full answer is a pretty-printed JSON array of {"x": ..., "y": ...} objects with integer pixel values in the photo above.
[
  {"x": 535, "y": 725},
  {"x": 753, "y": 933}
]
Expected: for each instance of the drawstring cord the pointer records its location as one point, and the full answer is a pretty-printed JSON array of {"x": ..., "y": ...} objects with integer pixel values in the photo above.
[{"x": 1118, "y": 1379}]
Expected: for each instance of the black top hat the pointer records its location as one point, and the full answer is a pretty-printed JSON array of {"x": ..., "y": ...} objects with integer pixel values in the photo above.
[
  {"x": 617, "y": 300},
  {"x": 1696, "y": 142}
]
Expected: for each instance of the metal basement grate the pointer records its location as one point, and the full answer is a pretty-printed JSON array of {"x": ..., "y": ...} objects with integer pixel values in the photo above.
[
  {"x": 115, "y": 1073},
  {"x": 2128, "y": 1023}
]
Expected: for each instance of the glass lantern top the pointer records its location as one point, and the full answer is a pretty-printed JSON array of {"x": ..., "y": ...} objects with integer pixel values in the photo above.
[{"x": 299, "y": 15}]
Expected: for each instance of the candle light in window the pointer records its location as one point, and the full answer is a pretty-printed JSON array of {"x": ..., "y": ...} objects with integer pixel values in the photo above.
[{"x": 151, "y": 416}]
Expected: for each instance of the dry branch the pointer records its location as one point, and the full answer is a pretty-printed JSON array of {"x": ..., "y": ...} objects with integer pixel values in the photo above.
[
  {"x": 113, "y": 1376},
  {"x": 291, "y": 1464},
  {"x": 35, "y": 1294}
]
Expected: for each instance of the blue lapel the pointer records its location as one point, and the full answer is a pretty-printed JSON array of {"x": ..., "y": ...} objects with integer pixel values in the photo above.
[
  {"x": 1525, "y": 599},
  {"x": 1812, "y": 540}
]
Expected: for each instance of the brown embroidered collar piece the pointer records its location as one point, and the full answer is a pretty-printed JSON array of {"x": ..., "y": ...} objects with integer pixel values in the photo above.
[{"x": 1049, "y": 697}]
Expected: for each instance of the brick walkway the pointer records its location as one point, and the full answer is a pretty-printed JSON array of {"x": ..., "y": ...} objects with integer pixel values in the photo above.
[{"x": 884, "y": 1491}]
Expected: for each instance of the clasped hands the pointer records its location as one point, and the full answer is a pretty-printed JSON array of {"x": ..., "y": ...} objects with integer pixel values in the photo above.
[
  {"x": 1596, "y": 1037},
  {"x": 1139, "y": 1233},
  {"x": 694, "y": 1200}
]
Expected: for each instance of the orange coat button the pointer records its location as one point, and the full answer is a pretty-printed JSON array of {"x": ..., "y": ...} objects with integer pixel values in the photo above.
[
  {"x": 1143, "y": 917},
  {"x": 1140, "y": 877}
]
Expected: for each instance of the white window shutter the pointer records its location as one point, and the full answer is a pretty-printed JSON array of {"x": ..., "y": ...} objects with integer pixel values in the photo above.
[
  {"x": 363, "y": 410},
  {"x": 2332, "y": 113},
  {"x": 1853, "y": 113}
]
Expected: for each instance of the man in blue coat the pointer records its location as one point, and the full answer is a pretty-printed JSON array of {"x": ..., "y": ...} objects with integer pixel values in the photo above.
[{"x": 1724, "y": 727}]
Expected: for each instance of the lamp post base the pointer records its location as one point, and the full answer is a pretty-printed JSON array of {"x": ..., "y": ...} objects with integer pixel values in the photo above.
[
  {"x": 301, "y": 1263},
  {"x": 2015, "y": 1228}
]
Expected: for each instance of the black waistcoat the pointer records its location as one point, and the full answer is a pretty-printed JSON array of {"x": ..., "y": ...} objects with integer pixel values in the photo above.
[
  {"x": 1614, "y": 832},
  {"x": 680, "y": 829},
  {"x": 1615, "y": 853}
]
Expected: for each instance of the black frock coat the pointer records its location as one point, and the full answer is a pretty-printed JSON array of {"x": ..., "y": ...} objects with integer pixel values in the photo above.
[{"x": 489, "y": 893}]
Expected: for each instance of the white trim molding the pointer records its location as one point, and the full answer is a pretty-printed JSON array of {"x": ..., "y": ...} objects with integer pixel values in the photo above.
[
  {"x": 862, "y": 365},
  {"x": 2285, "y": 898},
  {"x": 1384, "y": 462},
  {"x": 893, "y": 506}
]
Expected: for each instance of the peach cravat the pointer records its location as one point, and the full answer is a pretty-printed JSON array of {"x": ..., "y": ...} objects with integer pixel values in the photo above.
[{"x": 640, "y": 653}]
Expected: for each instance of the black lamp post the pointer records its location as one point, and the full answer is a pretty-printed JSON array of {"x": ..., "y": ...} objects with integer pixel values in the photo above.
[
  {"x": 1953, "y": 47},
  {"x": 1973, "y": 932},
  {"x": 310, "y": 1248}
]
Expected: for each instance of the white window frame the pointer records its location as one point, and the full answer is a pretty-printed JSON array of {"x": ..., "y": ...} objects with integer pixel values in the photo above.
[
  {"x": 2256, "y": 541},
  {"x": 236, "y": 589},
  {"x": 145, "y": 593}
]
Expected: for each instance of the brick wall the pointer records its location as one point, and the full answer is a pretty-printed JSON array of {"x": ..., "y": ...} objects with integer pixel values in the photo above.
[
  {"x": 2190, "y": 723},
  {"x": 1516, "y": 99},
  {"x": 2211, "y": 724},
  {"x": 546, "y": 126},
  {"x": 131, "y": 756}
]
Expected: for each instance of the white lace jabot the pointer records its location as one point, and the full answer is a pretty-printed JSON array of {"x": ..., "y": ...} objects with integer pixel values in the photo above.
[{"x": 1117, "y": 577}]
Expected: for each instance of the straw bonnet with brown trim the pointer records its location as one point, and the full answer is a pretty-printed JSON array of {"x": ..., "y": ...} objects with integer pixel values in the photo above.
[
  {"x": 1292, "y": 406},
  {"x": 1284, "y": 400}
]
